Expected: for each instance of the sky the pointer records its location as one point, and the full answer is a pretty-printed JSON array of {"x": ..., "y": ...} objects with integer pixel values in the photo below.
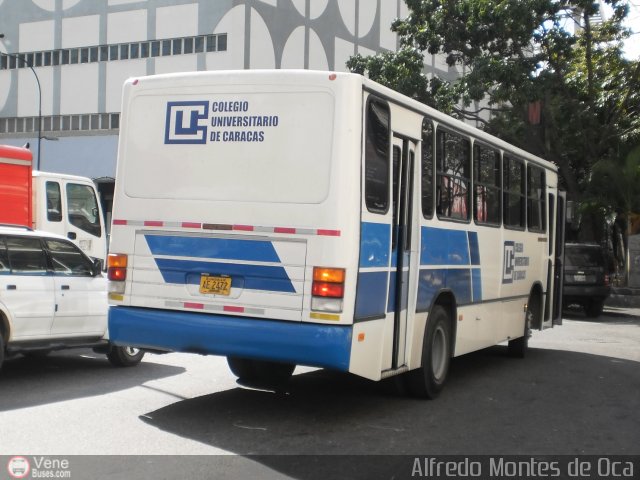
[{"x": 632, "y": 45}]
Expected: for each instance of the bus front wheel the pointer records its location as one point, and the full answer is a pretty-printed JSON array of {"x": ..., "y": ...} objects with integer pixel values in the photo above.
[
  {"x": 260, "y": 371},
  {"x": 428, "y": 380}
]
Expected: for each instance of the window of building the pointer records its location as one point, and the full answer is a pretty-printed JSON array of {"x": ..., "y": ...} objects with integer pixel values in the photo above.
[
  {"x": 222, "y": 42},
  {"x": 188, "y": 45},
  {"x": 166, "y": 48},
  {"x": 199, "y": 44},
  {"x": 176, "y": 46}
]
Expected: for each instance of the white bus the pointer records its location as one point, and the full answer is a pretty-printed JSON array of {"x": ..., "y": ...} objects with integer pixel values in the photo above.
[{"x": 284, "y": 218}]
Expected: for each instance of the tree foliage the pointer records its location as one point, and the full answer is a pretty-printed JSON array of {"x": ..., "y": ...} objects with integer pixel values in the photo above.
[{"x": 511, "y": 54}]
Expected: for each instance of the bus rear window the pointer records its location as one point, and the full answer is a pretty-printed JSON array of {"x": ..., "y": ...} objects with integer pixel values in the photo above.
[{"x": 236, "y": 147}]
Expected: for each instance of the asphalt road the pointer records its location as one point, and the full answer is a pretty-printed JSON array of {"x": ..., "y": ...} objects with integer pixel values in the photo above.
[{"x": 576, "y": 393}]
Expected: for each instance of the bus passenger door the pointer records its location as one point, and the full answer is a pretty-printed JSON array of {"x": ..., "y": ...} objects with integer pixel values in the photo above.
[
  {"x": 401, "y": 240},
  {"x": 558, "y": 271}
]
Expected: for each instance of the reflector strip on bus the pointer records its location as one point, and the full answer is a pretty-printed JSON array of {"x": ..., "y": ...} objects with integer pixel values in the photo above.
[
  {"x": 215, "y": 308},
  {"x": 225, "y": 227}
]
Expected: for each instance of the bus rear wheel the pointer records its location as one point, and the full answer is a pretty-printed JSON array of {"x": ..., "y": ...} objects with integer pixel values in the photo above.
[
  {"x": 429, "y": 380},
  {"x": 260, "y": 371},
  {"x": 1, "y": 349},
  {"x": 518, "y": 347}
]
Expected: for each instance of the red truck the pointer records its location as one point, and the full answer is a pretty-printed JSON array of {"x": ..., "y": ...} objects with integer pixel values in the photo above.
[{"x": 16, "y": 206}]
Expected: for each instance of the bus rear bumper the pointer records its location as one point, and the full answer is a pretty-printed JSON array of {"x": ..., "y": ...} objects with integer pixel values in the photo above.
[{"x": 316, "y": 345}]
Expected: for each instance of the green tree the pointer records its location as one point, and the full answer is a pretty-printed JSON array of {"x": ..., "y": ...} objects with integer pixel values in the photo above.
[{"x": 512, "y": 54}]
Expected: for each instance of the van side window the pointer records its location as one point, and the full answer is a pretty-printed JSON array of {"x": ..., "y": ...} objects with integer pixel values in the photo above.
[
  {"x": 54, "y": 202},
  {"x": 536, "y": 199},
  {"x": 26, "y": 256},
  {"x": 376, "y": 162},
  {"x": 514, "y": 193},
  {"x": 68, "y": 259},
  {"x": 83, "y": 208},
  {"x": 453, "y": 167},
  {"x": 4, "y": 258},
  {"x": 427, "y": 168}
]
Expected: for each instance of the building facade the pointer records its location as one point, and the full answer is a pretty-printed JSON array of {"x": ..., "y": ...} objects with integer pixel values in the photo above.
[{"x": 66, "y": 60}]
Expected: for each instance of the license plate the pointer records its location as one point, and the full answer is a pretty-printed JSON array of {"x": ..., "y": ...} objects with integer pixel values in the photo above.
[
  {"x": 215, "y": 285},
  {"x": 579, "y": 278}
]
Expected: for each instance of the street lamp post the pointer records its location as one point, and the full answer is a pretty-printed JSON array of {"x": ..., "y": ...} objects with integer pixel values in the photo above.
[{"x": 28, "y": 64}]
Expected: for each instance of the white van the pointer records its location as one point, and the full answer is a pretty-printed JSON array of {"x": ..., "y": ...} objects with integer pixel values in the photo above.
[{"x": 52, "y": 297}]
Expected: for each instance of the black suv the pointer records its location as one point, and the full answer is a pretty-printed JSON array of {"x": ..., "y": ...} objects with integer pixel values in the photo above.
[{"x": 586, "y": 277}]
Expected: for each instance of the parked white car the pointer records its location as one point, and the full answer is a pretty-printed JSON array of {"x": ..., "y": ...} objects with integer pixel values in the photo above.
[{"x": 52, "y": 297}]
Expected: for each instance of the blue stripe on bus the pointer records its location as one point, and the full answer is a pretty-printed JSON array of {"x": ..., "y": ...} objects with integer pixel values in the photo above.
[
  {"x": 433, "y": 280},
  {"x": 474, "y": 249},
  {"x": 476, "y": 280},
  {"x": 440, "y": 246},
  {"x": 252, "y": 277},
  {"x": 214, "y": 248},
  {"x": 375, "y": 244},
  {"x": 371, "y": 295},
  {"x": 327, "y": 346}
]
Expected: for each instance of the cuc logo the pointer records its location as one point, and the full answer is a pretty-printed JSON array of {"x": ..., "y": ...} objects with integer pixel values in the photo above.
[{"x": 186, "y": 122}]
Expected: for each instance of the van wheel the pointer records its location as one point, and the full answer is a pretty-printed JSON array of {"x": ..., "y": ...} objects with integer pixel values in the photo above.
[
  {"x": 260, "y": 371},
  {"x": 428, "y": 380},
  {"x": 517, "y": 348},
  {"x": 125, "y": 356}
]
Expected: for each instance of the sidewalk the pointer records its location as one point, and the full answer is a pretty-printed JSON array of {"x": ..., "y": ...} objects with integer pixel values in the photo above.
[{"x": 624, "y": 297}]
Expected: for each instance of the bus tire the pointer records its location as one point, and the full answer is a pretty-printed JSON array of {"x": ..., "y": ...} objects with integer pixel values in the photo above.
[
  {"x": 517, "y": 348},
  {"x": 125, "y": 356},
  {"x": 1, "y": 348},
  {"x": 260, "y": 371},
  {"x": 429, "y": 380}
]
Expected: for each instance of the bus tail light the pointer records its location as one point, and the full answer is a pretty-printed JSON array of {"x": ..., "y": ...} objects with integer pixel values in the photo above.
[
  {"x": 116, "y": 272},
  {"x": 327, "y": 289}
]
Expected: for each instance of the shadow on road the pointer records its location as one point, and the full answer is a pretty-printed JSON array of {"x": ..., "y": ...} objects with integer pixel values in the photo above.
[
  {"x": 66, "y": 375},
  {"x": 610, "y": 316},
  {"x": 552, "y": 402}
]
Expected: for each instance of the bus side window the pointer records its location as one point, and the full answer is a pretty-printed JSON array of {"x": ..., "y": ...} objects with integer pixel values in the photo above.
[
  {"x": 536, "y": 199},
  {"x": 54, "y": 202},
  {"x": 514, "y": 193},
  {"x": 453, "y": 168},
  {"x": 486, "y": 179},
  {"x": 427, "y": 168},
  {"x": 377, "y": 146}
]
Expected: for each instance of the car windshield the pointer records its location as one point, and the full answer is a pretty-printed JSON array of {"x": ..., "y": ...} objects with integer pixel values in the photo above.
[{"x": 583, "y": 257}]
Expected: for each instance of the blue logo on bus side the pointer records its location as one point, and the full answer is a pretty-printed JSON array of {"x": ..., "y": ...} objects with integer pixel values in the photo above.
[{"x": 186, "y": 122}]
